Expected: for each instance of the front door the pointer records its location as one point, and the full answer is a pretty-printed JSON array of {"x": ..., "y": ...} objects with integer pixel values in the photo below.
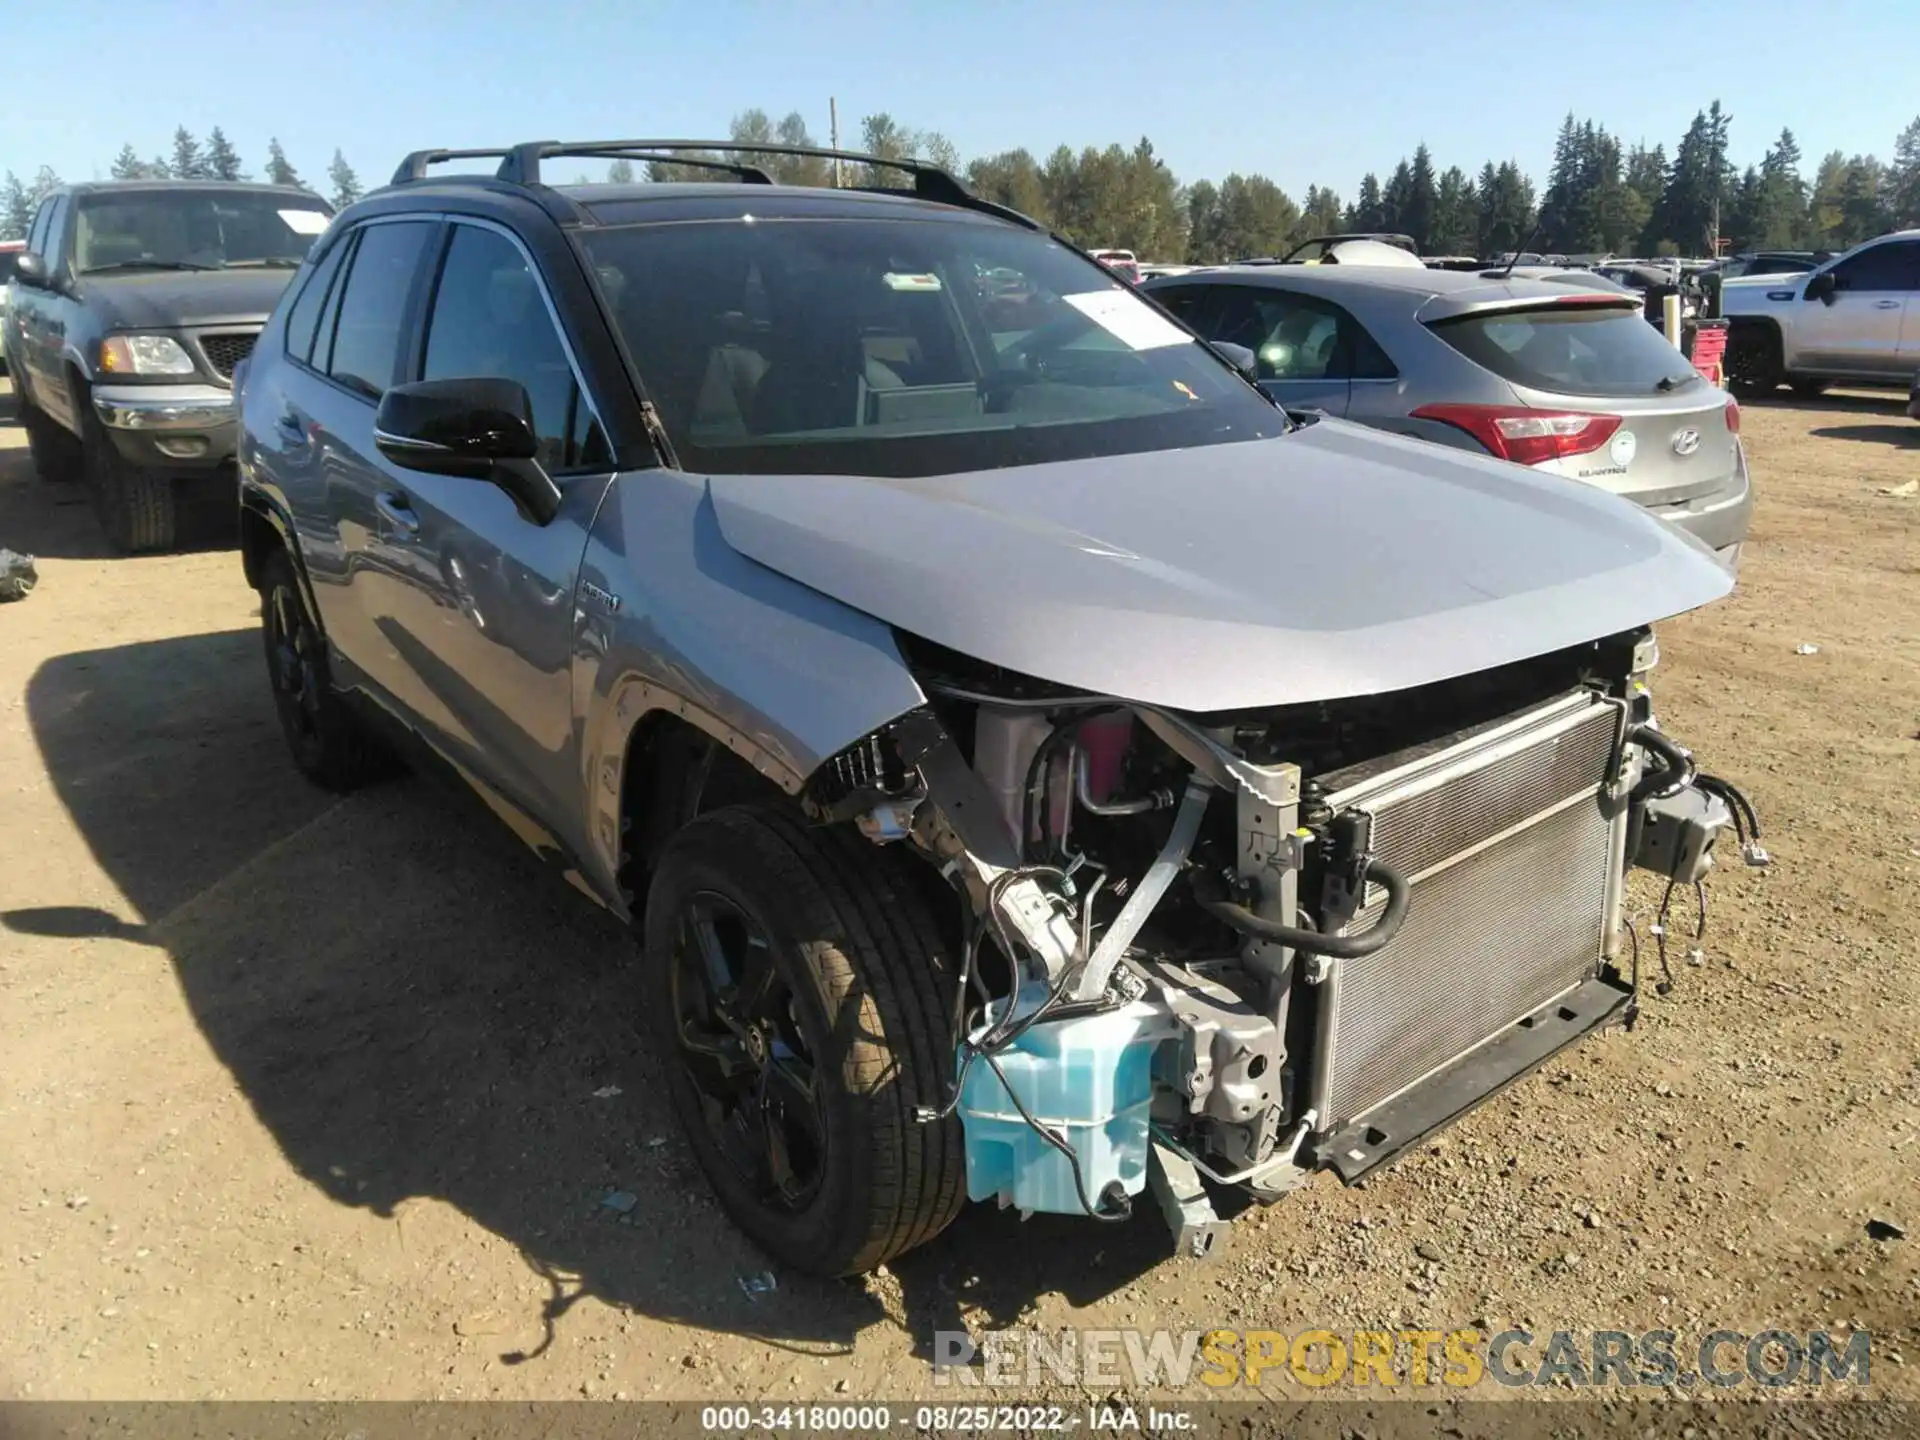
[
  {"x": 1857, "y": 330},
  {"x": 482, "y": 612}
]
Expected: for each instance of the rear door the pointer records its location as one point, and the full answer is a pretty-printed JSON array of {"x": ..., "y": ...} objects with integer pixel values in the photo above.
[
  {"x": 326, "y": 430},
  {"x": 1858, "y": 329},
  {"x": 480, "y": 606}
]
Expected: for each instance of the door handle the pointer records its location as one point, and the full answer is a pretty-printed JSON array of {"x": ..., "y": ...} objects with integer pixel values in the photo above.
[
  {"x": 1887, "y": 304},
  {"x": 397, "y": 513}
]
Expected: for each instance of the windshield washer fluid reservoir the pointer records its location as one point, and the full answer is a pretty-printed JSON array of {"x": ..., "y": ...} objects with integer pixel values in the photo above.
[{"x": 1086, "y": 1078}]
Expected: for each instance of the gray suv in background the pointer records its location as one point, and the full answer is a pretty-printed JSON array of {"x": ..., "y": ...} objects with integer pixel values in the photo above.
[
  {"x": 129, "y": 311},
  {"x": 1571, "y": 382}
]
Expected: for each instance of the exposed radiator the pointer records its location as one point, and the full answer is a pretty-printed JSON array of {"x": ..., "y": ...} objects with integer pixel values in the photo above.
[{"x": 1511, "y": 856}]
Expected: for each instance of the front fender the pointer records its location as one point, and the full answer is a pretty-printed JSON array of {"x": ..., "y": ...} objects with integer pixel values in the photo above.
[{"x": 673, "y": 619}]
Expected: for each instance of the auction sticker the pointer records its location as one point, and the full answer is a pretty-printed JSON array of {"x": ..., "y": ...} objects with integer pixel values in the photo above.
[{"x": 1133, "y": 322}]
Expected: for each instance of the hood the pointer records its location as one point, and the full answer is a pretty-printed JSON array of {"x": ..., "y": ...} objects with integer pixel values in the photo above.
[
  {"x": 170, "y": 299},
  {"x": 1329, "y": 562}
]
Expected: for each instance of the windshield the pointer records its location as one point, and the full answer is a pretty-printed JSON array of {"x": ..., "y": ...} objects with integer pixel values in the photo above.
[
  {"x": 1572, "y": 350},
  {"x": 195, "y": 230},
  {"x": 904, "y": 348}
]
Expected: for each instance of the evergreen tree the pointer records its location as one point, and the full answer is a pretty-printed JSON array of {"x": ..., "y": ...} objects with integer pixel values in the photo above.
[
  {"x": 1688, "y": 214},
  {"x": 279, "y": 171},
  {"x": 1779, "y": 216},
  {"x": 620, "y": 172},
  {"x": 16, "y": 208},
  {"x": 1824, "y": 219},
  {"x": 1320, "y": 214},
  {"x": 346, "y": 184},
  {"x": 188, "y": 163},
  {"x": 1367, "y": 213},
  {"x": 1455, "y": 227},
  {"x": 1395, "y": 199},
  {"x": 1903, "y": 181},
  {"x": 127, "y": 165},
  {"x": 1013, "y": 179},
  {"x": 222, "y": 161},
  {"x": 1507, "y": 214},
  {"x": 1863, "y": 206},
  {"x": 1423, "y": 198}
]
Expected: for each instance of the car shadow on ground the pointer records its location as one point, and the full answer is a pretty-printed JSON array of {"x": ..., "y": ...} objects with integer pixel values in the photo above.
[
  {"x": 56, "y": 521},
  {"x": 1837, "y": 402},
  {"x": 1904, "y": 434},
  {"x": 414, "y": 1006}
]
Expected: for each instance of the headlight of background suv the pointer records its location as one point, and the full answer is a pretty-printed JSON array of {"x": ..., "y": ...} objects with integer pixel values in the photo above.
[{"x": 144, "y": 355}]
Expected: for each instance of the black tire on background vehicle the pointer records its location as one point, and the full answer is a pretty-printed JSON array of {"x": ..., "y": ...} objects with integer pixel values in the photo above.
[
  {"x": 799, "y": 991},
  {"x": 1810, "y": 389},
  {"x": 137, "y": 508},
  {"x": 1754, "y": 366},
  {"x": 330, "y": 745},
  {"x": 56, "y": 454}
]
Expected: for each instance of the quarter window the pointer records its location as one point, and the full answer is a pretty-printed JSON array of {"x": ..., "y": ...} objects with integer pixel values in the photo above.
[
  {"x": 305, "y": 316},
  {"x": 1298, "y": 337},
  {"x": 490, "y": 320},
  {"x": 373, "y": 306}
]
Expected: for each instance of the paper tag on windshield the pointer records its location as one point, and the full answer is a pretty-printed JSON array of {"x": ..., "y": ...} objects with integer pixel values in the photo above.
[
  {"x": 1131, "y": 320},
  {"x": 304, "y": 222},
  {"x": 911, "y": 282}
]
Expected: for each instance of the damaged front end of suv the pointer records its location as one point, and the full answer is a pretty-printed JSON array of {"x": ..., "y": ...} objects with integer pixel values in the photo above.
[
  {"x": 1223, "y": 951},
  {"x": 1260, "y": 878}
]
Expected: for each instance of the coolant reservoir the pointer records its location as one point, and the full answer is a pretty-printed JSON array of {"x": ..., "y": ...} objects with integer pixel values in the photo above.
[{"x": 1088, "y": 1080}]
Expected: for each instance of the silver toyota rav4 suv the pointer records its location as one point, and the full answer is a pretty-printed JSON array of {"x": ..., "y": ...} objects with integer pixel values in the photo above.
[{"x": 1037, "y": 767}]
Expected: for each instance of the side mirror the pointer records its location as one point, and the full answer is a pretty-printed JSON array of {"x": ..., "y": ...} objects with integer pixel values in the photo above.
[
  {"x": 31, "y": 269},
  {"x": 1238, "y": 356},
  {"x": 473, "y": 428},
  {"x": 1822, "y": 287}
]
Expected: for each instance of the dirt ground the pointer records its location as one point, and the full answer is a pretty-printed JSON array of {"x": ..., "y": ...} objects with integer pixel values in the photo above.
[{"x": 311, "y": 1098}]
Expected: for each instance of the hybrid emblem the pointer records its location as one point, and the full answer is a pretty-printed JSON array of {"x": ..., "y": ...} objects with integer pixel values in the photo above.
[{"x": 1685, "y": 442}]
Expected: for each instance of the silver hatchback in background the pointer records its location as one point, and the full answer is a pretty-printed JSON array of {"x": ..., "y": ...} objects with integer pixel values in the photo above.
[{"x": 1569, "y": 381}]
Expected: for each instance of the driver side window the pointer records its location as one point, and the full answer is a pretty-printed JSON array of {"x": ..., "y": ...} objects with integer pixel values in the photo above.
[
  {"x": 489, "y": 319},
  {"x": 1885, "y": 267}
]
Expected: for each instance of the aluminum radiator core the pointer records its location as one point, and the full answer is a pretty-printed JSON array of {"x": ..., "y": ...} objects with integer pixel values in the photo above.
[{"x": 1507, "y": 840}]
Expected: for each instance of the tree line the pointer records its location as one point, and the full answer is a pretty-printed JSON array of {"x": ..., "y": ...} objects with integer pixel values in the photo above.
[{"x": 1602, "y": 195}]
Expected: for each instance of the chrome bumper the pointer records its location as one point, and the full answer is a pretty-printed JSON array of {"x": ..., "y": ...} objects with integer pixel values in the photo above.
[{"x": 163, "y": 407}]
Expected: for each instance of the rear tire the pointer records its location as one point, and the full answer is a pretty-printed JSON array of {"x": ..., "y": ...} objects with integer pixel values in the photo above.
[
  {"x": 329, "y": 743},
  {"x": 137, "y": 508},
  {"x": 799, "y": 993},
  {"x": 56, "y": 454}
]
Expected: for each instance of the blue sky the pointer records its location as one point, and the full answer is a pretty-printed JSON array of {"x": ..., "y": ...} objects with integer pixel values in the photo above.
[{"x": 1305, "y": 93}]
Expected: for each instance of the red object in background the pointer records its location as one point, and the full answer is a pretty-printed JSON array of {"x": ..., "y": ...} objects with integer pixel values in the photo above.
[
  {"x": 1709, "y": 351},
  {"x": 1104, "y": 742}
]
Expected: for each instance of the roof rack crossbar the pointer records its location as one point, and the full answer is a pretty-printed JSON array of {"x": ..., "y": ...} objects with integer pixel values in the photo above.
[
  {"x": 521, "y": 165},
  {"x": 414, "y": 167}
]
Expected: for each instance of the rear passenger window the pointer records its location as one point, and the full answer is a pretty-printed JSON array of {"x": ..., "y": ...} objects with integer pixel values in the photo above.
[
  {"x": 489, "y": 319},
  {"x": 373, "y": 305},
  {"x": 1185, "y": 302},
  {"x": 305, "y": 315}
]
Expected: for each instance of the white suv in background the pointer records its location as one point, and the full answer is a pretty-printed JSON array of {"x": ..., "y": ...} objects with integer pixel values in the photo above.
[{"x": 1855, "y": 320}]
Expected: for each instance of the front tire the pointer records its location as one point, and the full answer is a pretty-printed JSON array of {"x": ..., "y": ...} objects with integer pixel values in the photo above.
[
  {"x": 56, "y": 454},
  {"x": 137, "y": 508},
  {"x": 799, "y": 992},
  {"x": 330, "y": 745},
  {"x": 1754, "y": 363}
]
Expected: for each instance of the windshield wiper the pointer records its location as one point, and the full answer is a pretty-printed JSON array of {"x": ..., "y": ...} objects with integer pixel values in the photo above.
[
  {"x": 1670, "y": 382},
  {"x": 273, "y": 262},
  {"x": 145, "y": 265}
]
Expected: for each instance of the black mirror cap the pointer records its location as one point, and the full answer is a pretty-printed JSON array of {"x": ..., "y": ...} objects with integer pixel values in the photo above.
[
  {"x": 1822, "y": 286},
  {"x": 1238, "y": 356},
  {"x": 463, "y": 426},
  {"x": 31, "y": 269}
]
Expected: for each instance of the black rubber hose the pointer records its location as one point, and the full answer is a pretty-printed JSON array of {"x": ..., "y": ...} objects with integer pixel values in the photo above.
[
  {"x": 1206, "y": 890},
  {"x": 1676, "y": 770}
]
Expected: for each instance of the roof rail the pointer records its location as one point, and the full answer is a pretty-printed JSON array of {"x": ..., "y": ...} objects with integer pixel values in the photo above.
[
  {"x": 521, "y": 165},
  {"x": 414, "y": 167}
]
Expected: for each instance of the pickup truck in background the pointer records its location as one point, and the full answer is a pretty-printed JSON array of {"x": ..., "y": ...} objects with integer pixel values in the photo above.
[
  {"x": 128, "y": 312},
  {"x": 1854, "y": 320}
]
